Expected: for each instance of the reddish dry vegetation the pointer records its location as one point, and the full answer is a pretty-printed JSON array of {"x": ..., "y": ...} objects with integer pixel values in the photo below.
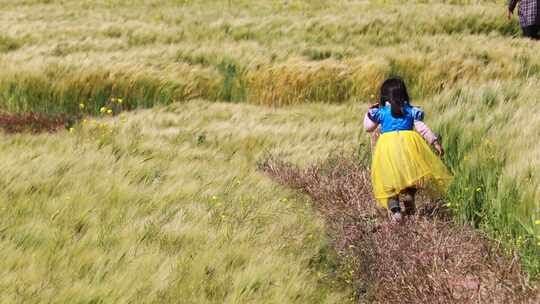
[
  {"x": 31, "y": 122},
  {"x": 427, "y": 259}
]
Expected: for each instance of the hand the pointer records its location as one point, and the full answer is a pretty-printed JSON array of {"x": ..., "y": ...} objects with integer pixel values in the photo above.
[
  {"x": 510, "y": 16},
  {"x": 373, "y": 106},
  {"x": 439, "y": 148}
]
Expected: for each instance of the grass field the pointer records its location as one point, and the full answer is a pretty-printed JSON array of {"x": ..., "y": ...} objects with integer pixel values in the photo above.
[
  {"x": 166, "y": 205},
  {"x": 88, "y": 213}
]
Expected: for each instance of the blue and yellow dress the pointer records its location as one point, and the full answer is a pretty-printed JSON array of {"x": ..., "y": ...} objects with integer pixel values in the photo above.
[{"x": 402, "y": 159}]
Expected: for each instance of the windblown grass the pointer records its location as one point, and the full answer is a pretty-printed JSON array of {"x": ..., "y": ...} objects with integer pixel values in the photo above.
[
  {"x": 269, "y": 52},
  {"x": 166, "y": 205},
  {"x": 460, "y": 59}
]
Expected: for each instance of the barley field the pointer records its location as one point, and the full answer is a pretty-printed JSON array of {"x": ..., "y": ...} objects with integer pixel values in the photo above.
[
  {"x": 151, "y": 194},
  {"x": 167, "y": 206}
]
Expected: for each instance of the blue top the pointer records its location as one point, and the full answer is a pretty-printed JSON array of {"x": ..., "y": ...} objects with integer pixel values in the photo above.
[{"x": 383, "y": 116}]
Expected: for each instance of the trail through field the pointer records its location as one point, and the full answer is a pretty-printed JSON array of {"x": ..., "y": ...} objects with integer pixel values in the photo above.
[{"x": 427, "y": 259}]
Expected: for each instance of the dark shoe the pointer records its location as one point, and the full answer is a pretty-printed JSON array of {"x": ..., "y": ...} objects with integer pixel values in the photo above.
[
  {"x": 409, "y": 204},
  {"x": 395, "y": 210},
  {"x": 396, "y": 217},
  {"x": 408, "y": 201},
  {"x": 393, "y": 204}
]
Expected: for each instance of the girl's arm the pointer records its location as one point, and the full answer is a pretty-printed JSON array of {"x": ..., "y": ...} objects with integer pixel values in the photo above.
[
  {"x": 421, "y": 127},
  {"x": 428, "y": 135},
  {"x": 369, "y": 125},
  {"x": 372, "y": 119},
  {"x": 425, "y": 131},
  {"x": 373, "y": 128}
]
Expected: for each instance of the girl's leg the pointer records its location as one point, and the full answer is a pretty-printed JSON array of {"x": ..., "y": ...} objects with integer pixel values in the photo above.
[
  {"x": 408, "y": 201},
  {"x": 395, "y": 209}
]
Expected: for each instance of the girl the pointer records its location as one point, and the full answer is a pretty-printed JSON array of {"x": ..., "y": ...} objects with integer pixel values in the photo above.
[{"x": 402, "y": 161}]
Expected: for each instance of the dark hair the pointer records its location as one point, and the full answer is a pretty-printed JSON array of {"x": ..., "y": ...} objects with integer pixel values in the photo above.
[{"x": 394, "y": 91}]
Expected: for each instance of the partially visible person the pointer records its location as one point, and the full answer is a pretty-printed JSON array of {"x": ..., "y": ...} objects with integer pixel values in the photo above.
[{"x": 528, "y": 17}]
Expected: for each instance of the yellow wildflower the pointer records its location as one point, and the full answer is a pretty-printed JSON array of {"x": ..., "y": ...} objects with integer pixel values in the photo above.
[
  {"x": 71, "y": 130},
  {"x": 109, "y": 111},
  {"x": 103, "y": 109},
  {"x": 537, "y": 222},
  {"x": 478, "y": 189},
  {"x": 81, "y": 106},
  {"x": 119, "y": 100}
]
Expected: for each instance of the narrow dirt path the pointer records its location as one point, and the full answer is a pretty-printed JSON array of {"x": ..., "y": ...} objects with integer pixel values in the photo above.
[{"x": 428, "y": 259}]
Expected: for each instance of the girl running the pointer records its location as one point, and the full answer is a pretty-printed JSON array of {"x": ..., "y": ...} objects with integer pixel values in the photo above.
[{"x": 402, "y": 160}]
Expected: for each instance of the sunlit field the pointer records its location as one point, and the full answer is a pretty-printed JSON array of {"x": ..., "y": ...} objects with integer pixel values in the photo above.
[
  {"x": 156, "y": 205},
  {"x": 167, "y": 206}
]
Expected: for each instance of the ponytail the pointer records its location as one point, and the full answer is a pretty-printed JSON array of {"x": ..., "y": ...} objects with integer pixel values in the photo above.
[
  {"x": 396, "y": 108},
  {"x": 393, "y": 90}
]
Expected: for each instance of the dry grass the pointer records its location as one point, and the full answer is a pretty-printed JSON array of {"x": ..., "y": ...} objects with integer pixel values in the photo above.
[
  {"x": 428, "y": 259},
  {"x": 32, "y": 122}
]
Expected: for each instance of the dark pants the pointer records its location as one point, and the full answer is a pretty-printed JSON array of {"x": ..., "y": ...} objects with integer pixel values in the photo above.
[
  {"x": 393, "y": 202},
  {"x": 532, "y": 31}
]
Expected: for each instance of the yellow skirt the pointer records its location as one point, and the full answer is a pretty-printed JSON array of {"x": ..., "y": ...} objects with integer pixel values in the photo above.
[{"x": 402, "y": 160}]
